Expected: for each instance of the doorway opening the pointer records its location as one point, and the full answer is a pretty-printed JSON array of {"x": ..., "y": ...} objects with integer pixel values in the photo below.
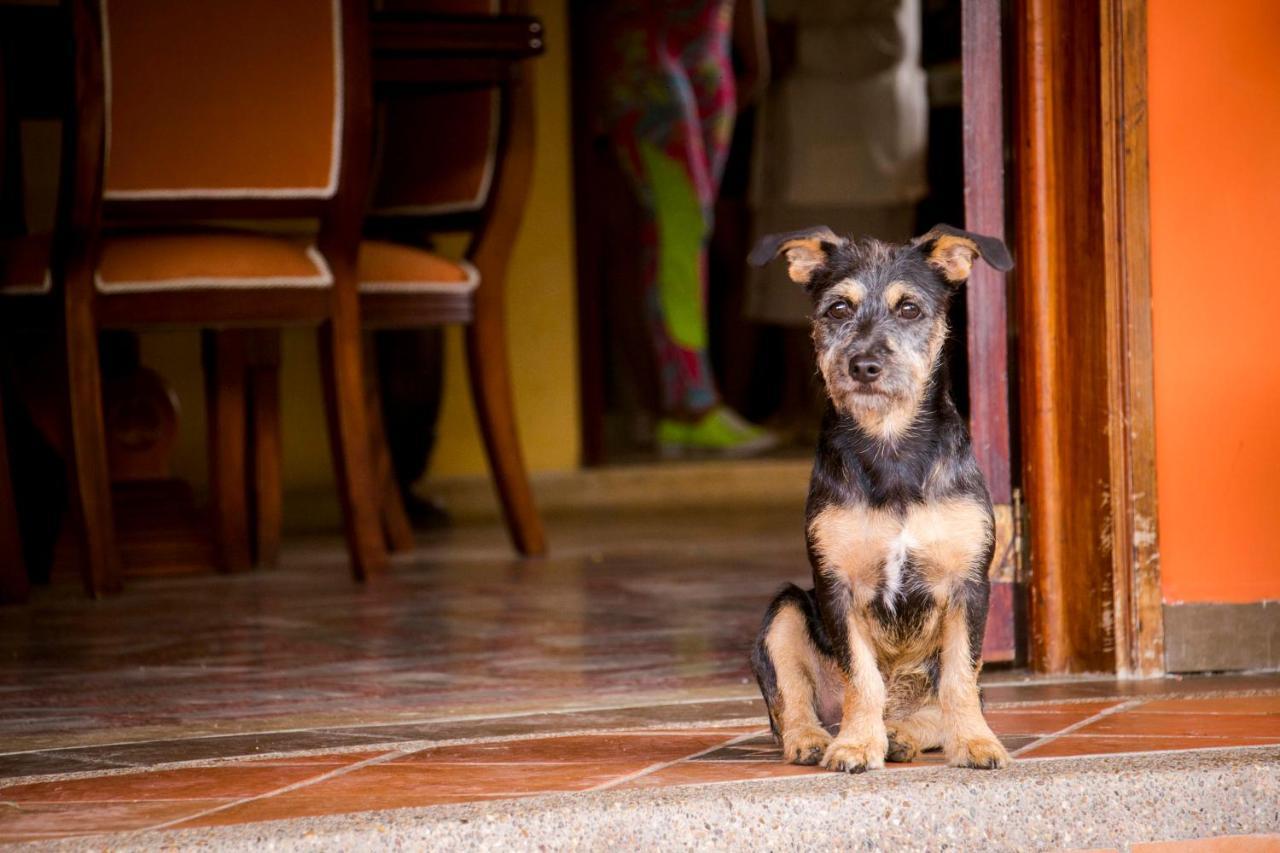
[{"x": 861, "y": 128}]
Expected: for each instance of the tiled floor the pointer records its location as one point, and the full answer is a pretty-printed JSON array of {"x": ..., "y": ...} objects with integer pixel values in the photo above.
[{"x": 467, "y": 676}]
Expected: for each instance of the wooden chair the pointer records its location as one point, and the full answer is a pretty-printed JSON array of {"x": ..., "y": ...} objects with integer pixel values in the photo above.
[
  {"x": 195, "y": 113},
  {"x": 455, "y": 152}
]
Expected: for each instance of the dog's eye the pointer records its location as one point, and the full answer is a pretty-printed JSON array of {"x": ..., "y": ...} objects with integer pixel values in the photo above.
[
  {"x": 840, "y": 311},
  {"x": 909, "y": 311}
]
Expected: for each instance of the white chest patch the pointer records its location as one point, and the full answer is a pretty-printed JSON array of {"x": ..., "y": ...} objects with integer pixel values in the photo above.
[{"x": 895, "y": 564}]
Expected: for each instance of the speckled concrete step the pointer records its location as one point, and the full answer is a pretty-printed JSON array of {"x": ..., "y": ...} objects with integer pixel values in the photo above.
[{"x": 1036, "y": 804}]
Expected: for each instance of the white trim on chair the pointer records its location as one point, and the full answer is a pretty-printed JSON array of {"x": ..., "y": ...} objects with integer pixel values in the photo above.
[
  {"x": 469, "y": 284},
  {"x": 28, "y": 289},
  {"x": 335, "y": 154},
  {"x": 322, "y": 278}
]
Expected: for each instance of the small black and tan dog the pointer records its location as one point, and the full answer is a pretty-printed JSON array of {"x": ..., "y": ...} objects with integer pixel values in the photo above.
[{"x": 899, "y": 522}]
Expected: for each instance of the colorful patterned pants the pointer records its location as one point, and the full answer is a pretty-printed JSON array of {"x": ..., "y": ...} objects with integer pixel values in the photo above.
[{"x": 671, "y": 105}]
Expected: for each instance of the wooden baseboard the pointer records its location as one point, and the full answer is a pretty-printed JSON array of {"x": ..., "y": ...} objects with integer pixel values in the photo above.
[{"x": 1215, "y": 637}]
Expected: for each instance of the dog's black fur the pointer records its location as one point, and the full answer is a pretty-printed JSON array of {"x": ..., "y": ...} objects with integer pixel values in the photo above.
[{"x": 899, "y": 522}]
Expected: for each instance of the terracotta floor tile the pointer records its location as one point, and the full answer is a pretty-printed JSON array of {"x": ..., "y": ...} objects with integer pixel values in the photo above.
[
  {"x": 1076, "y": 745},
  {"x": 32, "y": 821},
  {"x": 997, "y": 688},
  {"x": 1046, "y": 721},
  {"x": 700, "y": 772},
  {"x": 762, "y": 748},
  {"x": 1222, "y": 844},
  {"x": 1138, "y": 722},
  {"x": 1215, "y": 705},
  {"x": 390, "y": 786},
  {"x": 187, "y": 783},
  {"x": 648, "y": 748},
  {"x": 1087, "y": 708}
]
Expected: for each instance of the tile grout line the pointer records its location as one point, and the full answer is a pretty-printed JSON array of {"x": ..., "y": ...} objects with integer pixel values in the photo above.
[
  {"x": 1074, "y": 727},
  {"x": 663, "y": 765},
  {"x": 304, "y": 783}
]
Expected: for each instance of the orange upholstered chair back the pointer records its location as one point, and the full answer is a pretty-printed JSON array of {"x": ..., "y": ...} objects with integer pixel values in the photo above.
[
  {"x": 222, "y": 98},
  {"x": 436, "y": 152}
]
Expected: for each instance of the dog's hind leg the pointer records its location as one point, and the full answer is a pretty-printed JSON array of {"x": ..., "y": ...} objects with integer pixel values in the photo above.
[
  {"x": 920, "y": 731},
  {"x": 913, "y": 718},
  {"x": 790, "y": 668}
]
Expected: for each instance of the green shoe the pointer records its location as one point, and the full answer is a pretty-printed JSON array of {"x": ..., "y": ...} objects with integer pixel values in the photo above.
[{"x": 720, "y": 431}]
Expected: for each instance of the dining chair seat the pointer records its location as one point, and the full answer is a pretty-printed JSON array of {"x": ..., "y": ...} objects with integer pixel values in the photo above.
[
  {"x": 396, "y": 268},
  {"x": 163, "y": 262},
  {"x": 190, "y": 261}
]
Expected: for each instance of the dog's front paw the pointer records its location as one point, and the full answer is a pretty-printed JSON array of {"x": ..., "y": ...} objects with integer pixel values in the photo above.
[
  {"x": 984, "y": 753},
  {"x": 805, "y": 745},
  {"x": 901, "y": 747},
  {"x": 854, "y": 756}
]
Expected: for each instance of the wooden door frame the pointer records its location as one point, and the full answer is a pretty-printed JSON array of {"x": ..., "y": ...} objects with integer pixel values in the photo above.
[
  {"x": 1083, "y": 298},
  {"x": 987, "y": 332}
]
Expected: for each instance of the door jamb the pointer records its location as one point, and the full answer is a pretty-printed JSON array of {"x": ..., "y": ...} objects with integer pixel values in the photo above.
[{"x": 1084, "y": 299}]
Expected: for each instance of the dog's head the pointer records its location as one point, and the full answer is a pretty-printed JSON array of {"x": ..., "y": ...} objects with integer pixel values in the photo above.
[{"x": 880, "y": 312}]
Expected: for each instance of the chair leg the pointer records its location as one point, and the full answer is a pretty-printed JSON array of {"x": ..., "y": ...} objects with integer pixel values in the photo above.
[
  {"x": 101, "y": 559},
  {"x": 491, "y": 389},
  {"x": 14, "y": 585},
  {"x": 225, "y": 397},
  {"x": 343, "y": 382},
  {"x": 395, "y": 521},
  {"x": 265, "y": 448}
]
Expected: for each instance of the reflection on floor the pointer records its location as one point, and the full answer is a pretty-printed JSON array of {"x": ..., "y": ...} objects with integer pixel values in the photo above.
[{"x": 467, "y": 676}]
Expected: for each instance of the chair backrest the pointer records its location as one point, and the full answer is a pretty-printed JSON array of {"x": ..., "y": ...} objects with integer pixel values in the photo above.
[
  {"x": 232, "y": 99},
  {"x": 436, "y": 152}
]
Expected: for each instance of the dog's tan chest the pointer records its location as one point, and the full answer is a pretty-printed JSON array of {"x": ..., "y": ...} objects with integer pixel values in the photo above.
[{"x": 878, "y": 552}]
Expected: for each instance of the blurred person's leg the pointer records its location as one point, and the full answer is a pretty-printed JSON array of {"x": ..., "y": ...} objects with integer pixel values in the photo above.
[
  {"x": 704, "y": 53},
  {"x": 662, "y": 144}
]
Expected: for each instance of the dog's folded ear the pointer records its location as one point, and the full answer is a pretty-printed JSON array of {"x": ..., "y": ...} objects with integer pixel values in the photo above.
[
  {"x": 806, "y": 250},
  {"x": 952, "y": 251}
]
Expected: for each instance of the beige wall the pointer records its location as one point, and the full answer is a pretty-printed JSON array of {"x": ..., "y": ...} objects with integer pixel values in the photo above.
[{"x": 541, "y": 319}]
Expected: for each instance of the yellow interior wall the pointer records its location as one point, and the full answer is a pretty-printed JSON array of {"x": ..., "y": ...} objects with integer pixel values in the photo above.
[{"x": 540, "y": 316}]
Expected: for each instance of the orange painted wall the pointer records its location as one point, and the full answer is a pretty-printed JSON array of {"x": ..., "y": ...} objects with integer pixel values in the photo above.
[{"x": 1214, "y": 105}]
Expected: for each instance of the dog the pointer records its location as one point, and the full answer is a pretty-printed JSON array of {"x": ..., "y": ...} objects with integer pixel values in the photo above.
[{"x": 899, "y": 523}]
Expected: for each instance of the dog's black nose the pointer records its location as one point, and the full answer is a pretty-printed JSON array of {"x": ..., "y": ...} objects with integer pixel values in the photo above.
[{"x": 864, "y": 368}]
